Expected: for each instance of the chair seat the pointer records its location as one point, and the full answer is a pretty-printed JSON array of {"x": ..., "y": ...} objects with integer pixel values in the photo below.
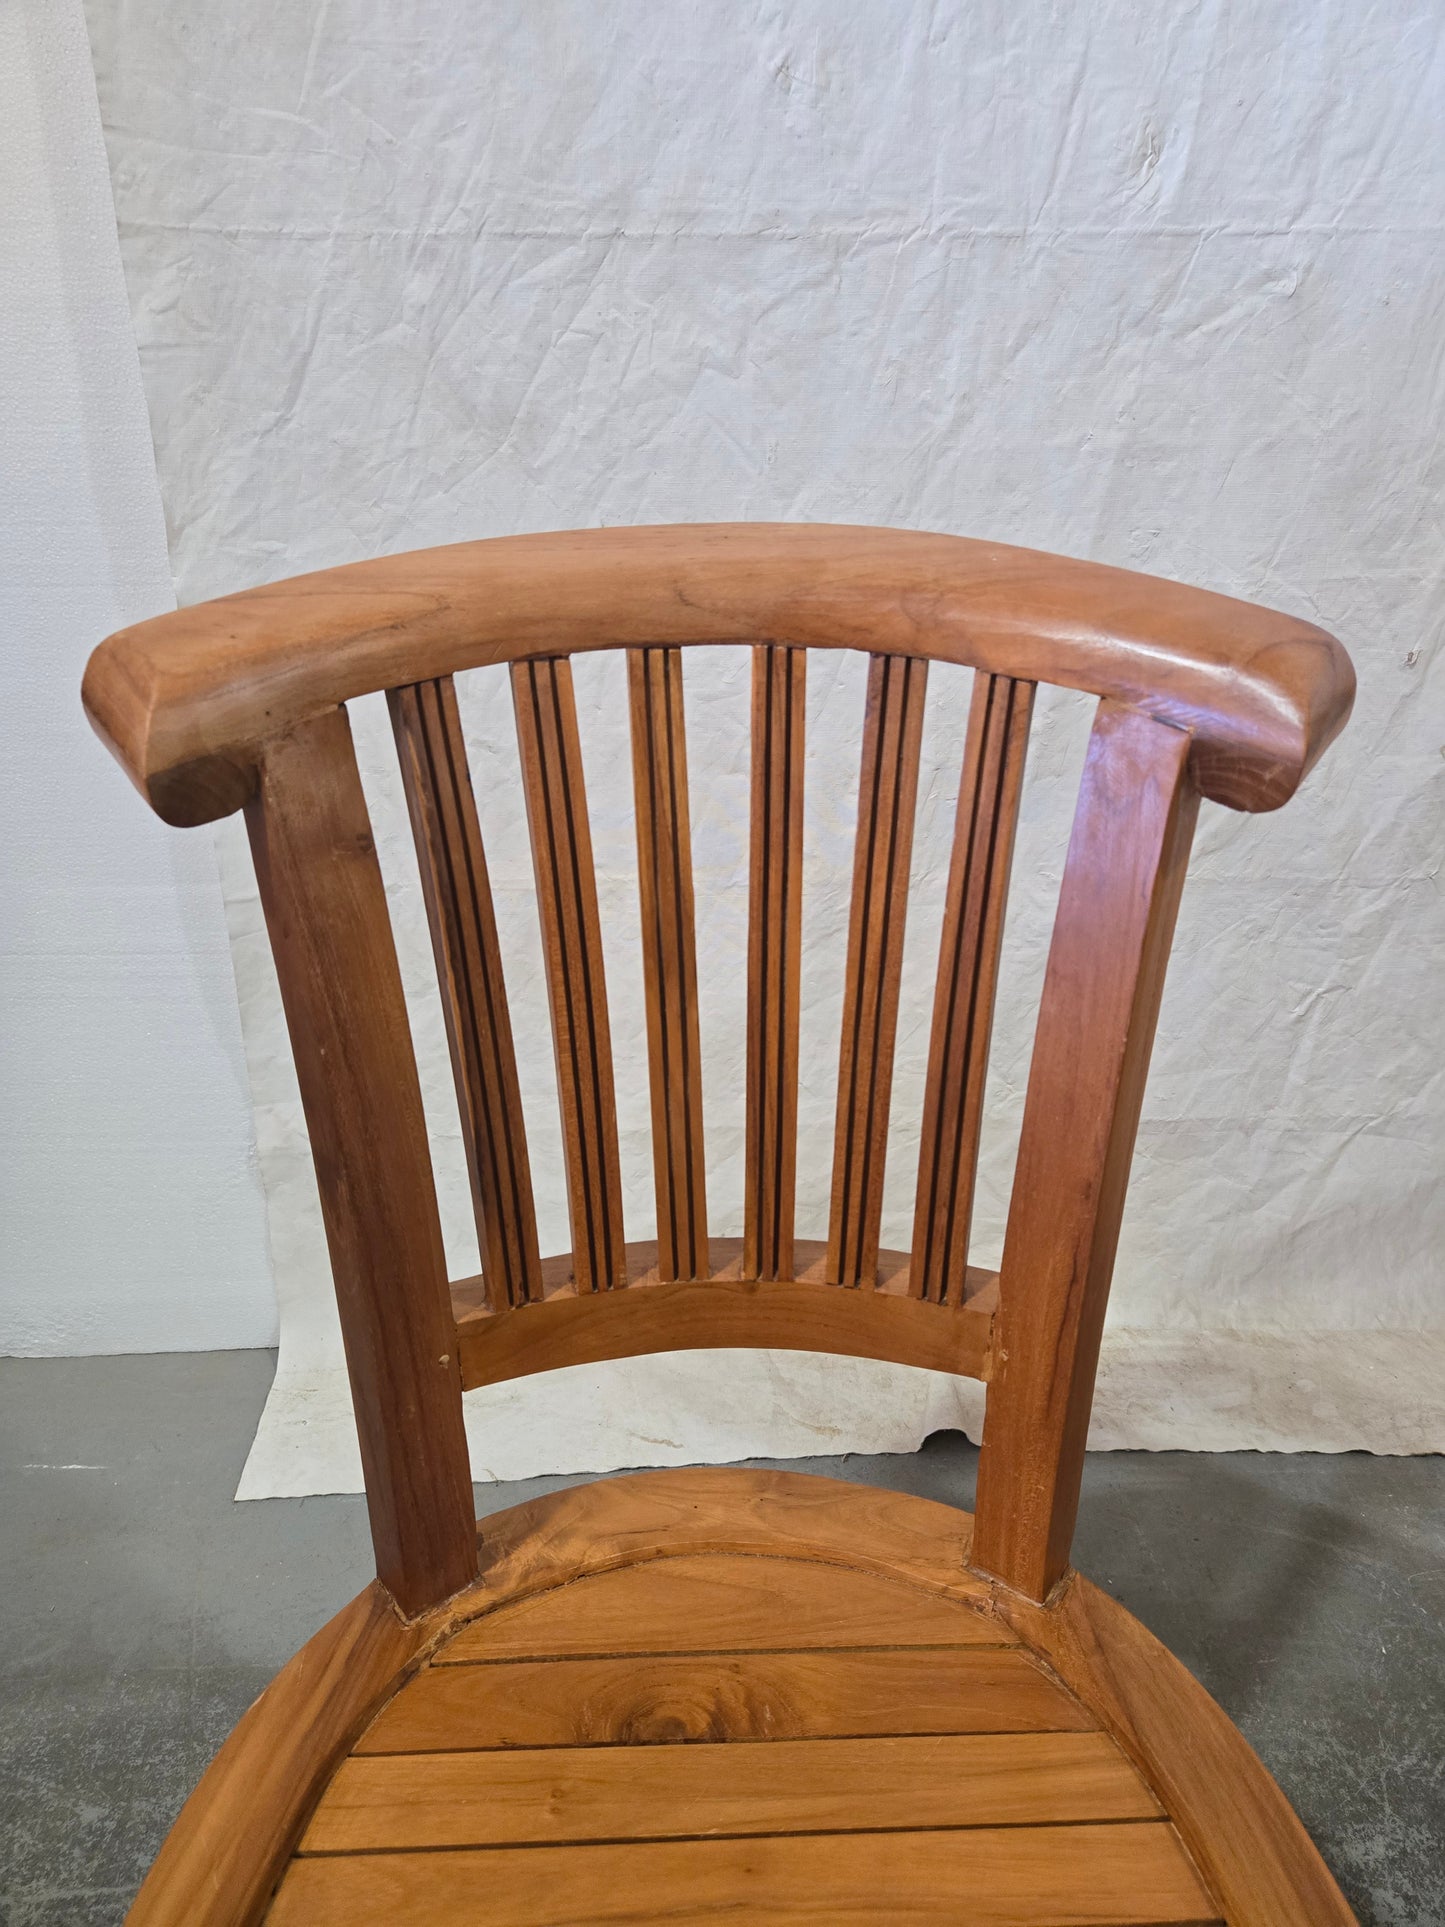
[
  {"x": 760, "y": 1697},
  {"x": 725, "y": 1734}
]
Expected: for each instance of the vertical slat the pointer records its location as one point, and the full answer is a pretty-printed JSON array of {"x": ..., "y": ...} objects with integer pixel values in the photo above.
[
  {"x": 973, "y": 917},
  {"x": 887, "y": 794},
  {"x": 572, "y": 944},
  {"x": 1120, "y": 895},
  {"x": 474, "y": 997},
  {"x": 775, "y": 923},
  {"x": 669, "y": 959},
  {"x": 326, "y": 913}
]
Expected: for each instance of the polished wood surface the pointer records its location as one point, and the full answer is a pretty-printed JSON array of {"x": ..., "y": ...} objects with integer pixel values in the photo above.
[
  {"x": 612, "y": 1523},
  {"x": 775, "y": 926},
  {"x": 892, "y": 1712},
  {"x": 668, "y": 1568},
  {"x": 669, "y": 959},
  {"x": 466, "y": 1798},
  {"x": 644, "y": 1701},
  {"x": 1122, "y": 881},
  {"x": 503, "y": 1729},
  {"x": 326, "y": 914},
  {"x": 973, "y": 916},
  {"x": 1094, "y": 1876},
  {"x": 1233, "y": 1818},
  {"x": 185, "y": 699},
  {"x": 717, "y": 1601},
  {"x": 726, "y": 1307},
  {"x": 463, "y": 924},
  {"x": 572, "y": 947},
  {"x": 883, "y": 848}
]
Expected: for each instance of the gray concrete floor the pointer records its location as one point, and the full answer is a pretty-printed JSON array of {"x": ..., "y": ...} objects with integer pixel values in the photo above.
[{"x": 142, "y": 1610}]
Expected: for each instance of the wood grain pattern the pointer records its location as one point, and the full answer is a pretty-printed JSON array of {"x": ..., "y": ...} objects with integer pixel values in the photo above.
[
  {"x": 572, "y": 944},
  {"x": 414, "y": 1801},
  {"x": 458, "y": 895},
  {"x": 721, "y": 1602},
  {"x": 887, "y": 796},
  {"x": 669, "y": 959},
  {"x": 330, "y": 934},
  {"x": 973, "y": 919},
  {"x": 1241, "y": 1830},
  {"x": 1131, "y": 1875},
  {"x": 775, "y": 922},
  {"x": 186, "y": 699},
  {"x": 670, "y": 1699},
  {"x": 232, "y": 1838},
  {"x": 725, "y": 1308},
  {"x": 1120, "y": 894},
  {"x": 894, "y": 1684},
  {"x": 235, "y": 1832},
  {"x": 627, "y": 1521}
]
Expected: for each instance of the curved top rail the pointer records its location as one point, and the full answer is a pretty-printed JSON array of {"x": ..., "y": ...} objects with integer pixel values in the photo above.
[{"x": 185, "y": 700}]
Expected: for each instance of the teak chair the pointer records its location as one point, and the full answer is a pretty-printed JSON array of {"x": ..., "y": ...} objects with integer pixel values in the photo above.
[{"x": 959, "y": 1727}]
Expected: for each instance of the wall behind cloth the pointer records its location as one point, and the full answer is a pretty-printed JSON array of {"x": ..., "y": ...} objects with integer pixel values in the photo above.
[
  {"x": 131, "y": 1205},
  {"x": 1161, "y": 291}
]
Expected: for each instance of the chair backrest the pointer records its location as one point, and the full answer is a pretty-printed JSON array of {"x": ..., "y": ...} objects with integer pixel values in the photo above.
[{"x": 239, "y": 704}]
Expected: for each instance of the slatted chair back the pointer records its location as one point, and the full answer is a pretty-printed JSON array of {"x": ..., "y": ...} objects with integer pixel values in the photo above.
[{"x": 241, "y": 704}]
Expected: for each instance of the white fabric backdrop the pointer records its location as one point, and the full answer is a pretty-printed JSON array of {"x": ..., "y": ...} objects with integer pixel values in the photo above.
[
  {"x": 1168, "y": 298},
  {"x": 131, "y": 1216}
]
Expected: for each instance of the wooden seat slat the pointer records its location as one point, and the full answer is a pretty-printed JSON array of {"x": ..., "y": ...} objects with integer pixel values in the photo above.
[
  {"x": 1134, "y": 1874},
  {"x": 408, "y": 1800},
  {"x": 674, "y": 1698}
]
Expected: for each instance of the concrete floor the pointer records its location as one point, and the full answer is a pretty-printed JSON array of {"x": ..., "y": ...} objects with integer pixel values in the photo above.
[{"x": 142, "y": 1611}]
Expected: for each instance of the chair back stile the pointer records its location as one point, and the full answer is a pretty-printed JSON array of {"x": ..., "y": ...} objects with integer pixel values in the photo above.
[
  {"x": 1238, "y": 716},
  {"x": 1120, "y": 895},
  {"x": 330, "y": 931}
]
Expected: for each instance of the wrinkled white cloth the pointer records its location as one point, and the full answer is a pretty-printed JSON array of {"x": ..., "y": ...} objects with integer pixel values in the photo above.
[
  {"x": 131, "y": 1214},
  {"x": 1167, "y": 295}
]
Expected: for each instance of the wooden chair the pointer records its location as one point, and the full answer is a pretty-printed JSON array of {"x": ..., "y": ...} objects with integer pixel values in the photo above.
[{"x": 959, "y": 1727}]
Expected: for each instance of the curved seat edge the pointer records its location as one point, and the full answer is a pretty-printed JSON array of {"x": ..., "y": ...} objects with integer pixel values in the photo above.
[
  {"x": 1246, "y": 1839},
  {"x": 219, "y": 1864},
  {"x": 229, "y": 1847}
]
